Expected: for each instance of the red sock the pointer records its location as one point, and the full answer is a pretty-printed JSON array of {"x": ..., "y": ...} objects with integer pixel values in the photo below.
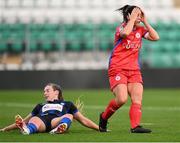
[
  {"x": 135, "y": 115},
  {"x": 110, "y": 109}
]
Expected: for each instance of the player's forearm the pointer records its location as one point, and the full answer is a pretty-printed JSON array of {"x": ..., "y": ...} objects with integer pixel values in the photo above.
[
  {"x": 10, "y": 127},
  {"x": 152, "y": 33},
  {"x": 90, "y": 124},
  {"x": 27, "y": 118},
  {"x": 13, "y": 126},
  {"x": 85, "y": 121},
  {"x": 128, "y": 28}
]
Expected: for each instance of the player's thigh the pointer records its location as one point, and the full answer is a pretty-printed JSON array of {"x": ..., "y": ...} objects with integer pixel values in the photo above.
[
  {"x": 57, "y": 120},
  {"x": 38, "y": 123},
  {"x": 120, "y": 78},
  {"x": 136, "y": 92},
  {"x": 121, "y": 94}
]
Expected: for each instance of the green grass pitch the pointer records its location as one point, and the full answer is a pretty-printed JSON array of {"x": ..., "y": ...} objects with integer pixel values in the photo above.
[{"x": 161, "y": 113}]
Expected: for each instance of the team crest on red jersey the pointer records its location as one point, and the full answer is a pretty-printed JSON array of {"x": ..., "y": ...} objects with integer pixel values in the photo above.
[
  {"x": 117, "y": 78},
  {"x": 138, "y": 35}
]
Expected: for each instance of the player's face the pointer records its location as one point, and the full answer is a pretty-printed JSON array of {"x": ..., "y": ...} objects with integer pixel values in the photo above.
[
  {"x": 50, "y": 94},
  {"x": 139, "y": 17}
]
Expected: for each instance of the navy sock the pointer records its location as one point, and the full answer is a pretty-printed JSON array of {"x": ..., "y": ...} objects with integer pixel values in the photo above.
[
  {"x": 32, "y": 128},
  {"x": 66, "y": 120}
]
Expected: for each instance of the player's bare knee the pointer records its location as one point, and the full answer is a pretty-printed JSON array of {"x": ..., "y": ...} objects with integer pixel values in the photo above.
[
  {"x": 121, "y": 101},
  {"x": 136, "y": 100},
  {"x": 37, "y": 122},
  {"x": 70, "y": 116}
]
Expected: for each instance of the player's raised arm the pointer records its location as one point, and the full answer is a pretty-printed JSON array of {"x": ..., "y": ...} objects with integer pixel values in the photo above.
[
  {"x": 151, "y": 35},
  {"x": 85, "y": 121},
  {"x": 131, "y": 18},
  {"x": 13, "y": 126}
]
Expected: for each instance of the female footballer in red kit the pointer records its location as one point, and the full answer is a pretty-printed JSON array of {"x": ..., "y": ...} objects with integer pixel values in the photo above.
[{"x": 124, "y": 70}]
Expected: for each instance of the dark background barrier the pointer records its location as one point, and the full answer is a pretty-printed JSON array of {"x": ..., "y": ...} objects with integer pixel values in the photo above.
[{"x": 79, "y": 79}]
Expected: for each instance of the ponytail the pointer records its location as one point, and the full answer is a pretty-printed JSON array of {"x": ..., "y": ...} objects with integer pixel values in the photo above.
[{"x": 126, "y": 10}]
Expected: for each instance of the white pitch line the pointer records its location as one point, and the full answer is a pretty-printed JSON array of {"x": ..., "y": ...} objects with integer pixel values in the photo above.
[
  {"x": 147, "y": 124},
  {"x": 17, "y": 105},
  {"x": 93, "y": 142},
  {"x": 144, "y": 108},
  {"x": 91, "y": 107}
]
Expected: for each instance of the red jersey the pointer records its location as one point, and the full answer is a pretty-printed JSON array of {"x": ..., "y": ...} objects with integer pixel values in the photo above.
[{"x": 125, "y": 54}]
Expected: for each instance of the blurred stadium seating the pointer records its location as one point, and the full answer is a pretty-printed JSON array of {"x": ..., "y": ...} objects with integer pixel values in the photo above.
[{"x": 61, "y": 32}]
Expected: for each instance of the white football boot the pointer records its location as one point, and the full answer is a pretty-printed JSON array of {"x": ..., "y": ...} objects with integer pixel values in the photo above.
[
  {"x": 21, "y": 125},
  {"x": 60, "y": 129}
]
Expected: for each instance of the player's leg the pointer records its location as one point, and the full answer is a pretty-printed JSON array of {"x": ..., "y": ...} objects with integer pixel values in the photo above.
[
  {"x": 34, "y": 125},
  {"x": 121, "y": 96},
  {"x": 61, "y": 124},
  {"x": 136, "y": 93}
]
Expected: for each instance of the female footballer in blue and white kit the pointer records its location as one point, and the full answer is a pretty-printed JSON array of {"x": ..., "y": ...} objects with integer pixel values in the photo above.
[{"x": 54, "y": 116}]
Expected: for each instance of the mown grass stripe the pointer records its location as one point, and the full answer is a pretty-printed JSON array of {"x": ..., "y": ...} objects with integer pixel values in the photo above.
[{"x": 93, "y": 107}]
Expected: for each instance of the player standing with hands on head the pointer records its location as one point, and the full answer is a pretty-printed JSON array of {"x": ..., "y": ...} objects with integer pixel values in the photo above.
[{"x": 124, "y": 70}]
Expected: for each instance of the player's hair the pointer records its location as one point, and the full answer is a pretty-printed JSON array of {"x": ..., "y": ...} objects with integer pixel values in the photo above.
[
  {"x": 58, "y": 88},
  {"x": 126, "y": 10},
  {"x": 79, "y": 104}
]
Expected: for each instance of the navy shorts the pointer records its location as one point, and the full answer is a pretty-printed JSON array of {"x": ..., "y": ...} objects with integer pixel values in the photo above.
[{"x": 47, "y": 120}]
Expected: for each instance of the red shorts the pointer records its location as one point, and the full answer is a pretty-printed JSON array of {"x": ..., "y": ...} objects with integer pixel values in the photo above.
[{"x": 125, "y": 77}]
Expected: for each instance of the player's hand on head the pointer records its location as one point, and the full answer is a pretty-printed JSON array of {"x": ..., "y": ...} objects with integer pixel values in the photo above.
[
  {"x": 143, "y": 16},
  {"x": 134, "y": 14}
]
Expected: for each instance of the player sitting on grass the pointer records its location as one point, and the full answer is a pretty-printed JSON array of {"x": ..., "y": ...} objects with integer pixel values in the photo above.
[{"x": 54, "y": 116}]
